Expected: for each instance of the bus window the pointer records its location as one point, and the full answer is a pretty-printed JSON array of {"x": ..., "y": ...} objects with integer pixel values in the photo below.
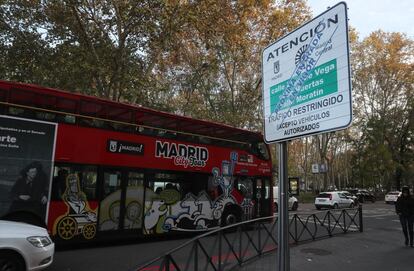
[
  {"x": 135, "y": 179},
  {"x": 182, "y": 198},
  {"x": 17, "y": 111},
  {"x": 68, "y": 119},
  {"x": 263, "y": 196},
  {"x": 134, "y": 200},
  {"x": 214, "y": 189},
  {"x": 89, "y": 178},
  {"x": 245, "y": 186},
  {"x": 112, "y": 182},
  {"x": 86, "y": 177},
  {"x": 263, "y": 187},
  {"x": 75, "y": 185},
  {"x": 260, "y": 149},
  {"x": 90, "y": 122},
  {"x": 184, "y": 184},
  {"x": 110, "y": 205},
  {"x": 164, "y": 181},
  {"x": 45, "y": 116}
]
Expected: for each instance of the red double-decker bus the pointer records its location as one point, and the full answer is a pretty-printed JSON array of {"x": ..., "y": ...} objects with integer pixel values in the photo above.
[{"x": 91, "y": 168}]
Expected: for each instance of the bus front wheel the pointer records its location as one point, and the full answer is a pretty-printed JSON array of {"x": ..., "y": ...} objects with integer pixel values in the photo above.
[{"x": 230, "y": 216}]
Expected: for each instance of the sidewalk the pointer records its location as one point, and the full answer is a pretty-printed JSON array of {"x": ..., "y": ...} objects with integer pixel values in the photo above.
[{"x": 381, "y": 249}]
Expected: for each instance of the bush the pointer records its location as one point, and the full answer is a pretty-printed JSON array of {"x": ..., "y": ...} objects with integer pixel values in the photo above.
[{"x": 306, "y": 197}]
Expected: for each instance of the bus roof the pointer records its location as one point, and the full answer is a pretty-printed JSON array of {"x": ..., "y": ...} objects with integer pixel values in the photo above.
[{"x": 29, "y": 95}]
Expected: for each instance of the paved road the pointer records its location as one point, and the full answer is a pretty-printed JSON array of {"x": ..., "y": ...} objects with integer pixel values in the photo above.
[
  {"x": 379, "y": 219},
  {"x": 380, "y": 247}
]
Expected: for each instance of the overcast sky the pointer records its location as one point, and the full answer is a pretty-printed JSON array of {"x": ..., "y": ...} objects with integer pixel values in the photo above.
[{"x": 367, "y": 16}]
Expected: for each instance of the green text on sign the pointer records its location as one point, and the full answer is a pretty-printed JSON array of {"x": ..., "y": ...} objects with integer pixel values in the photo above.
[{"x": 323, "y": 81}]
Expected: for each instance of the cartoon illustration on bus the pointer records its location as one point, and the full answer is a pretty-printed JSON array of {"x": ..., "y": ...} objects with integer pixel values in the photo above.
[
  {"x": 80, "y": 218},
  {"x": 195, "y": 213}
]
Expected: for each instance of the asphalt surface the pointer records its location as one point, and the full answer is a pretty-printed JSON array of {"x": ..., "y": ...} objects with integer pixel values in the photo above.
[{"x": 379, "y": 247}]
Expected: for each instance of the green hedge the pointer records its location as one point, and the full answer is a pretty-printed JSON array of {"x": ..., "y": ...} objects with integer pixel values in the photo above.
[{"x": 307, "y": 197}]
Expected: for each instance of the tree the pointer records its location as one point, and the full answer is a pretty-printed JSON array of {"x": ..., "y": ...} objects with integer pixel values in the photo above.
[
  {"x": 196, "y": 58},
  {"x": 215, "y": 66},
  {"x": 383, "y": 65},
  {"x": 104, "y": 48}
]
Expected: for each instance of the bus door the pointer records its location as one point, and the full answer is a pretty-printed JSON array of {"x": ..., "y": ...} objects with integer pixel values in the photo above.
[
  {"x": 121, "y": 205},
  {"x": 134, "y": 200},
  {"x": 245, "y": 186},
  {"x": 262, "y": 196}
]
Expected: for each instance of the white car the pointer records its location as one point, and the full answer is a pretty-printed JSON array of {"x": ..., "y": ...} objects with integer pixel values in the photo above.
[
  {"x": 392, "y": 197},
  {"x": 333, "y": 200},
  {"x": 293, "y": 202},
  {"x": 24, "y": 247}
]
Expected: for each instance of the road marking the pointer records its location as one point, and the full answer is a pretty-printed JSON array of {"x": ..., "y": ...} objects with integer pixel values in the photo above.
[{"x": 373, "y": 216}]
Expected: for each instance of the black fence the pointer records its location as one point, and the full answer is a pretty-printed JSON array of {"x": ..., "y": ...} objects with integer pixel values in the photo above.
[{"x": 229, "y": 247}]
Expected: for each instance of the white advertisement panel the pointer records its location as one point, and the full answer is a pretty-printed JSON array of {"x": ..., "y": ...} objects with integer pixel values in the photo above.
[{"x": 26, "y": 161}]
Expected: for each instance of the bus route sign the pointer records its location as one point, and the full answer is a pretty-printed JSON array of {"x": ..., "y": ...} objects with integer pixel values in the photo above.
[{"x": 306, "y": 79}]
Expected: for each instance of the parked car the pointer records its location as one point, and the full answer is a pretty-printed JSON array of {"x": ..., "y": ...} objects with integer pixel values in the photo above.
[
  {"x": 293, "y": 202},
  {"x": 24, "y": 247},
  {"x": 333, "y": 200},
  {"x": 363, "y": 195},
  {"x": 391, "y": 197},
  {"x": 351, "y": 196}
]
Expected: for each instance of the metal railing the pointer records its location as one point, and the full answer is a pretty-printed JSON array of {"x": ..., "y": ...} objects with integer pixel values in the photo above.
[{"x": 230, "y": 247}]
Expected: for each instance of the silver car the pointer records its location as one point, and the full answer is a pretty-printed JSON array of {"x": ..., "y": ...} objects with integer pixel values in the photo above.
[{"x": 24, "y": 247}]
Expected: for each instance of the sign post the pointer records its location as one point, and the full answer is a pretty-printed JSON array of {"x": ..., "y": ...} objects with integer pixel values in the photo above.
[
  {"x": 283, "y": 223},
  {"x": 306, "y": 91}
]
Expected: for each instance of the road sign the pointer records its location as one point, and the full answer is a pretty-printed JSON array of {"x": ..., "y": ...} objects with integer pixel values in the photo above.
[
  {"x": 315, "y": 168},
  {"x": 319, "y": 168},
  {"x": 323, "y": 168},
  {"x": 306, "y": 79}
]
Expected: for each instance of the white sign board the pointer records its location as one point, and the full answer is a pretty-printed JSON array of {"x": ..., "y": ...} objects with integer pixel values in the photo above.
[
  {"x": 315, "y": 168},
  {"x": 323, "y": 168},
  {"x": 306, "y": 79}
]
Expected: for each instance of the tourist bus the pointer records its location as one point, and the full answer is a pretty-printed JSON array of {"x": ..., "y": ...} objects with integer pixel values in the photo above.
[{"x": 90, "y": 168}]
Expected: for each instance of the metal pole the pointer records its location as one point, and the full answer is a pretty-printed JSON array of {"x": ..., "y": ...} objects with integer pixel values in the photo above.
[
  {"x": 361, "y": 223},
  {"x": 283, "y": 225}
]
